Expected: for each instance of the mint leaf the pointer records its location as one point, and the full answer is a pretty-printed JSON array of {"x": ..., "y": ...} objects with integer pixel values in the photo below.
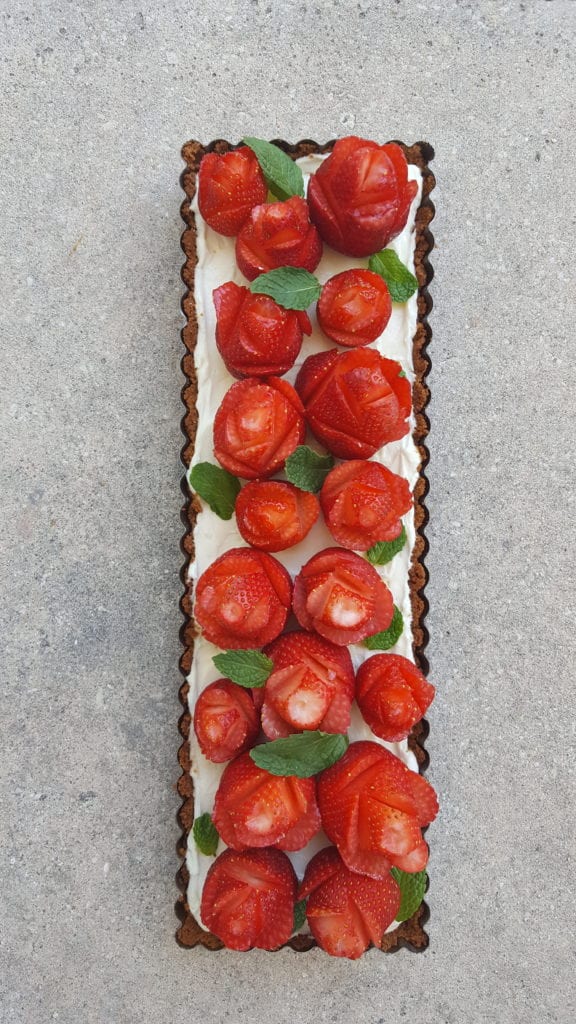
[
  {"x": 205, "y": 835},
  {"x": 217, "y": 486},
  {"x": 388, "y": 637},
  {"x": 385, "y": 550},
  {"x": 303, "y": 754},
  {"x": 283, "y": 176},
  {"x": 401, "y": 283},
  {"x": 412, "y": 889},
  {"x": 299, "y": 915},
  {"x": 247, "y": 668},
  {"x": 306, "y": 469},
  {"x": 291, "y": 287}
]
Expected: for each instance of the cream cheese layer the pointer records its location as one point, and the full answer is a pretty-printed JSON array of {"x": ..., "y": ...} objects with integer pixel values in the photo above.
[{"x": 213, "y": 536}]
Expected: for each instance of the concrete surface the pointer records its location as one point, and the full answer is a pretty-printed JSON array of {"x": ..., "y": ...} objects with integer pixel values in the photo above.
[{"x": 97, "y": 99}]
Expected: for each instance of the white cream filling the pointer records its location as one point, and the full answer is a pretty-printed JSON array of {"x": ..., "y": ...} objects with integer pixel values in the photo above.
[{"x": 213, "y": 536}]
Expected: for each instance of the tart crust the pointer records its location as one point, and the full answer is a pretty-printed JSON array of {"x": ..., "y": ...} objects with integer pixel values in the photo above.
[{"x": 409, "y": 934}]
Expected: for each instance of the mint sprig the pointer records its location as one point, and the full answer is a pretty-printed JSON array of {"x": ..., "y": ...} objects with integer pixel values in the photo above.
[
  {"x": 205, "y": 835},
  {"x": 290, "y": 287},
  {"x": 246, "y": 668},
  {"x": 306, "y": 469},
  {"x": 303, "y": 754},
  {"x": 283, "y": 176},
  {"x": 388, "y": 637},
  {"x": 401, "y": 283},
  {"x": 216, "y": 486},
  {"x": 299, "y": 915},
  {"x": 384, "y": 550},
  {"x": 412, "y": 889}
]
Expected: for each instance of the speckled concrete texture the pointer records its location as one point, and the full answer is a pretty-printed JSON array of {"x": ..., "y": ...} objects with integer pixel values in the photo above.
[{"x": 96, "y": 101}]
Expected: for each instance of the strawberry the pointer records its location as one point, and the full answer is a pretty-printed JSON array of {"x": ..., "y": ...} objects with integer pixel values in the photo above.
[
  {"x": 311, "y": 686},
  {"x": 392, "y": 695},
  {"x": 347, "y": 911},
  {"x": 229, "y": 186},
  {"x": 362, "y": 503},
  {"x": 242, "y": 600},
  {"x": 360, "y": 196},
  {"x": 273, "y": 515},
  {"x": 255, "y": 336},
  {"x": 226, "y": 721},
  {"x": 354, "y": 307},
  {"x": 258, "y": 425},
  {"x": 248, "y": 899},
  {"x": 278, "y": 235},
  {"x": 372, "y": 809},
  {"x": 255, "y": 808},
  {"x": 355, "y": 401},
  {"x": 342, "y": 597}
]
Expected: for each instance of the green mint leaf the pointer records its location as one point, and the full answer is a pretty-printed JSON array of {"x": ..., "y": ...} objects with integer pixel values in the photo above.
[
  {"x": 283, "y": 176},
  {"x": 412, "y": 889},
  {"x": 218, "y": 487},
  {"x": 306, "y": 469},
  {"x": 401, "y": 283},
  {"x": 385, "y": 550},
  {"x": 303, "y": 754},
  {"x": 247, "y": 668},
  {"x": 290, "y": 287},
  {"x": 205, "y": 835},
  {"x": 387, "y": 638},
  {"x": 299, "y": 915}
]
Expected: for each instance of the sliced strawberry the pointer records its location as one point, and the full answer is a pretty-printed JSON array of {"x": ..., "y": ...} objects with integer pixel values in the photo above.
[
  {"x": 373, "y": 807},
  {"x": 248, "y": 899},
  {"x": 362, "y": 503},
  {"x": 341, "y": 596},
  {"x": 255, "y": 336},
  {"x": 347, "y": 911},
  {"x": 225, "y": 720},
  {"x": 392, "y": 695},
  {"x": 354, "y": 307},
  {"x": 255, "y": 808},
  {"x": 360, "y": 196},
  {"x": 258, "y": 425},
  {"x": 311, "y": 686},
  {"x": 242, "y": 599},
  {"x": 229, "y": 186},
  {"x": 355, "y": 401},
  {"x": 278, "y": 235},
  {"x": 273, "y": 515}
]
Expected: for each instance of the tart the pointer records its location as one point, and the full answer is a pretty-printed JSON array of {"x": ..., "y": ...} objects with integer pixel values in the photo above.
[{"x": 306, "y": 361}]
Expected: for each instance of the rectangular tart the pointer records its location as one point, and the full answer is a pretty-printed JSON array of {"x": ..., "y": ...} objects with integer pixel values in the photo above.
[{"x": 209, "y": 261}]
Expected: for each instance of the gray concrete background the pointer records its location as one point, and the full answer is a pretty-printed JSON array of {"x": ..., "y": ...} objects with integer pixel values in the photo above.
[{"x": 97, "y": 99}]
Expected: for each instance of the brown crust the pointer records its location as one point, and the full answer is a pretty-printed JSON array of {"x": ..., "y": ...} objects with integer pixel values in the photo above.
[{"x": 411, "y": 933}]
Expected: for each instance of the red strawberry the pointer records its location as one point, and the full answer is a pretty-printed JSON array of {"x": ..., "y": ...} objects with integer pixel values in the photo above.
[
  {"x": 255, "y": 336},
  {"x": 342, "y": 597},
  {"x": 255, "y": 808},
  {"x": 347, "y": 911},
  {"x": 373, "y": 807},
  {"x": 273, "y": 515},
  {"x": 311, "y": 686},
  {"x": 360, "y": 196},
  {"x": 355, "y": 401},
  {"x": 362, "y": 503},
  {"x": 354, "y": 307},
  {"x": 242, "y": 600},
  {"x": 229, "y": 186},
  {"x": 392, "y": 695},
  {"x": 258, "y": 425},
  {"x": 248, "y": 899},
  {"x": 226, "y": 721},
  {"x": 278, "y": 235}
]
